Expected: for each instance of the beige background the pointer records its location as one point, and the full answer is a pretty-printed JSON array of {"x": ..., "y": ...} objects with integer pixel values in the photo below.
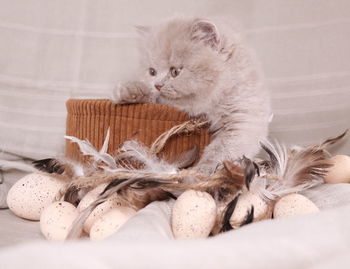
[{"x": 54, "y": 50}]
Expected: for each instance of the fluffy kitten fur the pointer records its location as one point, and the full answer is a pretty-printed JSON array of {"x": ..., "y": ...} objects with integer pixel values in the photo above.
[{"x": 205, "y": 70}]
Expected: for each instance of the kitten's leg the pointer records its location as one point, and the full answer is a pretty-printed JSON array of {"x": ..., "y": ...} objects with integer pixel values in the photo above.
[
  {"x": 230, "y": 146},
  {"x": 132, "y": 92}
]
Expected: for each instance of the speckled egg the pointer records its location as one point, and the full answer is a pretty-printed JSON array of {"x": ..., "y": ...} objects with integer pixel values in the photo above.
[
  {"x": 293, "y": 205},
  {"x": 56, "y": 220},
  {"x": 31, "y": 194},
  {"x": 110, "y": 222},
  {"x": 193, "y": 215},
  {"x": 340, "y": 171},
  {"x": 112, "y": 202},
  {"x": 244, "y": 205}
]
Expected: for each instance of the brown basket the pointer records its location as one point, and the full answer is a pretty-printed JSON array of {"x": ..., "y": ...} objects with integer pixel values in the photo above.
[{"x": 90, "y": 120}]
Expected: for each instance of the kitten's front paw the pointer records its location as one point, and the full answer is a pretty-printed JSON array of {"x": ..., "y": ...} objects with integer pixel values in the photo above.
[{"x": 133, "y": 92}]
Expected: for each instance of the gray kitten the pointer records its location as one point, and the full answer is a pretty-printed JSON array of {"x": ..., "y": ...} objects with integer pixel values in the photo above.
[{"x": 204, "y": 69}]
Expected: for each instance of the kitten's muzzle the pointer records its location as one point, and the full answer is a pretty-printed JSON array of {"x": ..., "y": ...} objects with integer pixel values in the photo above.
[{"x": 158, "y": 86}]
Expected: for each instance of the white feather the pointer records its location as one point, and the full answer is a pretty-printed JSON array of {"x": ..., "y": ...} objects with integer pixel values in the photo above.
[
  {"x": 78, "y": 169},
  {"x": 281, "y": 154},
  {"x": 286, "y": 169},
  {"x": 258, "y": 186},
  {"x": 104, "y": 147},
  {"x": 87, "y": 149},
  {"x": 130, "y": 149},
  {"x": 278, "y": 190},
  {"x": 134, "y": 150}
]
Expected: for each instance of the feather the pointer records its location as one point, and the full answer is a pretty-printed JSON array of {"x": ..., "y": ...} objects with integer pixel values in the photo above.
[
  {"x": 187, "y": 127},
  {"x": 51, "y": 166},
  {"x": 78, "y": 223},
  {"x": 186, "y": 159},
  {"x": 230, "y": 208},
  {"x": 135, "y": 199},
  {"x": 76, "y": 228},
  {"x": 104, "y": 147},
  {"x": 333, "y": 140},
  {"x": 139, "y": 187},
  {"x": 61, "y": 166},
  {"x": 287, "y": 171},
  {"x": 306, "y": 165},
  {"x": 249, "y": 217},
  {"x": 277, "y": 156},
  {"x": 236, "y": 173},
  {"x": 134, "y": 151},
  {"x": 87, "y": 149},
  {"x": 74, "y": 195},
  {"x": 258, "y": 186},
  {"x": 294, "y": 171},
  {"x": 113, "y": 184},
  {"x": 257, "y": 168},
  {"x": 139, "y": 199},
  {"x": 250, "y": 170},
  {"x": 275, "y": 191}
]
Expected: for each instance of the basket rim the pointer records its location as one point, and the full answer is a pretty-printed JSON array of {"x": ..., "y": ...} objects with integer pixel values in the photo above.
[{"x": 146, "y": 111}]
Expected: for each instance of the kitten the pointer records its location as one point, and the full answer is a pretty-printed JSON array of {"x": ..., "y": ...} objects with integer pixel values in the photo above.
[{"x": 204, "y": 69}]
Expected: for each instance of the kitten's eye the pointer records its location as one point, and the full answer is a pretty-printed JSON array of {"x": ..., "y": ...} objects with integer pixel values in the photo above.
[
  {"x": 174, "y": 71},
  {"x": 152, "y": 72}
]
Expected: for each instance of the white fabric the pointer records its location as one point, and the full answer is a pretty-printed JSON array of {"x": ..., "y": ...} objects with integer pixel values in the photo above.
[
  {"x": 54, "y": 50},
  {"x": 154, "y": 220},
  {"x": 328, "y": 196},
  {"x": 14, "y": 230}
]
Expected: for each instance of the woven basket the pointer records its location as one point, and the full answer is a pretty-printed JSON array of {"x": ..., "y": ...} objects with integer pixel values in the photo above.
[{"x": 90, "y": 120}]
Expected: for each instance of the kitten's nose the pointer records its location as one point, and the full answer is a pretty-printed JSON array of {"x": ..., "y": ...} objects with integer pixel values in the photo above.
[{"x": 158, "y": 86}]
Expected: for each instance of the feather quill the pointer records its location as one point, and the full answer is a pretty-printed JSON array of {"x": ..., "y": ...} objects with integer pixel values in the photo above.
[
  {"x": 104, "y": 147},
  {"x": 87, "y": 149}
]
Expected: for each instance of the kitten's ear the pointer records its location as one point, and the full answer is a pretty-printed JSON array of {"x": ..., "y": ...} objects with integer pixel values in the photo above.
[
  {"x": 206, "y": 32},
  {"x": 142, "y": 30}
]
